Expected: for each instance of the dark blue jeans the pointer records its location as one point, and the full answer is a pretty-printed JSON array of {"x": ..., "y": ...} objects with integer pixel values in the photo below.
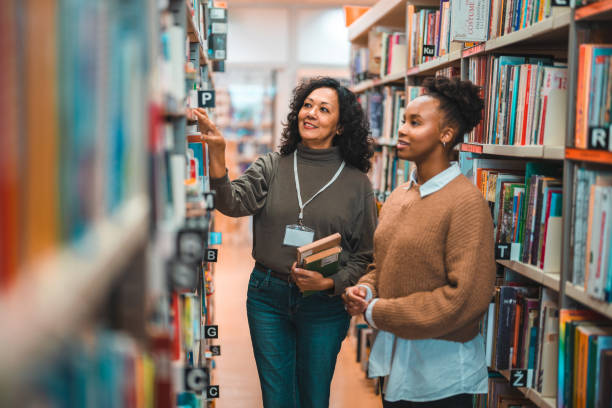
[{"x": 296, "y": 341}]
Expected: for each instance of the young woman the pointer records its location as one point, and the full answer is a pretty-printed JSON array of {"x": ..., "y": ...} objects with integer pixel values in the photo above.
[
  {"x": 434, "y": 267},
  {"x": 317, "y": 184}
]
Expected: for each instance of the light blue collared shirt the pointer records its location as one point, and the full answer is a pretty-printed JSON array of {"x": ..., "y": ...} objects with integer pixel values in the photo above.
[{"x": 430, "y": 369}]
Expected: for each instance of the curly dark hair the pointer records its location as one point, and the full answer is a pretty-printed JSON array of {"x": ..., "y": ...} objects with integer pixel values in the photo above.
[
  {"x": 356, "y": 145},
  {"x": 459, "y": 100}
]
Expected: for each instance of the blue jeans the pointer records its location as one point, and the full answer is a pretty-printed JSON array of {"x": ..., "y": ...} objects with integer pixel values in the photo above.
[{"x": 296, "y": 341}]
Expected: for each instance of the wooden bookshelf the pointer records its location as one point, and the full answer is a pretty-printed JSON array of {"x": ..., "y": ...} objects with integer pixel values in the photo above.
[
  {"x": 389, "y": 13},
  {"x": 550, "y": 280},
  {"x": 531, "y": 394},
  {"x": 578, "y": 294},
  {"x": 53, "y": 296},
  {"x": 552, "y": 28},
  {"x": 531, "y": 151},
  {"x": 195, "y": 35},
  {"x": 372, "y": 83},
  {"x": 592, "y": 156},
  {"x": 601, "y": 10},
  {"x": 431, "y": 66}
]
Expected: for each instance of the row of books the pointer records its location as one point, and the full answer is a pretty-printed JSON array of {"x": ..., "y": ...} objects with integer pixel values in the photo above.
[
  {"x": 502, "y": 394},
  {"x": 592, "y": 232},
  {"x": 525, "y": 98},
  {"x": 520, "y": 329},
  {"x": 429, "y": 34},
  {"x": 388, "y": 172},
  {"x": 384, "y": 109},
  {"x": 594, "y": 97},
  {"x": 385, "y": 55},
  {"x": 507, "y": 16},
  {"x": 526, "y": 205},
  {"x": 74, "y": 122},
  {"x": 103, "y": 369},
  {"x": 585, "y": 360}
]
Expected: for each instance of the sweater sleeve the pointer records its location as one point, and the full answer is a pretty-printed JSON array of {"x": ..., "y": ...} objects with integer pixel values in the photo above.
[
  {"x": 470, "y": 268},
  {"x": 369, "y": 279},
  {"x": 247, "y": 194},
  {"x": 361, "y": 243}
]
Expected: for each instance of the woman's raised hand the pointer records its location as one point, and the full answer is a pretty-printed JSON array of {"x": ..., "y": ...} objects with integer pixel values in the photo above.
[{"x": 215, "y": 141}]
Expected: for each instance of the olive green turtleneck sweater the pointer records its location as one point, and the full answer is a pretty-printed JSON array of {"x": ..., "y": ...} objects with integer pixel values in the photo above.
[{"x": 267, "y": 191}]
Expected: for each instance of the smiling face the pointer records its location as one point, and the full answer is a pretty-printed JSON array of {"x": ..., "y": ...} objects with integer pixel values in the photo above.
[
  {"x": 422, "y": 133},
  {"x": 318, "y": 118}
]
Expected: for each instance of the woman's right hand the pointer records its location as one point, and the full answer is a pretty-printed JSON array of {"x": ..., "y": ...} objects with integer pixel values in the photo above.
[
  {"x": 215, "y": 141},
  {"x": 354, "y": 299}
]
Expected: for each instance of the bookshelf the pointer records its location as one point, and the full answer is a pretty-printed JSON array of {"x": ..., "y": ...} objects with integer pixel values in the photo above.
[
  {"x": 531, "y": 394},
  {"x": 578, "y": 294},
  {"x": 532, "y": 151},
  {"x": 592, "y": 156},
  {"x": 550, "y": 280},
  {"x": 558, "y": 36},
  {"x": 389, "y": 13},
  {"x": 109, "y": 201},
  {"x": 85, "y": 271}
]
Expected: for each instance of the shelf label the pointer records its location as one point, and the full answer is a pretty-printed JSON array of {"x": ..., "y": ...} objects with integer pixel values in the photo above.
[
  {"x": 212, "y": 391},
  {"x": 206, "y": 99},
  {"x": 473, "y": 51},
  {"x": 518, "y": 378},
  {"x": 429, "y": 50},
  {"x": 183, "y": 275},
  {"x": 196, "y": 379},
  {"x": 209, "y": 200},
  {"x": 214, "y": 238},
  {"x": 502, "y": 251},
  {"x": 215, "y": 350},
  {"x": 599, "y": 138},
  {"x": 211, "y": 332},
  {"x": 473, "y": 148},
  {"x": 560, "y": 3},
  {"x": 212, "y": 255}
]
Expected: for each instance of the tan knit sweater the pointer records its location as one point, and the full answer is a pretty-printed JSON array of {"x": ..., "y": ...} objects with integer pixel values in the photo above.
[{"x": 434, "y": 263}]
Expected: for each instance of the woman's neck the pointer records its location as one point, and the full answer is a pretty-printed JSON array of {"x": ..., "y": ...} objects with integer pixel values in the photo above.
[{"x": 431, "y": 167}]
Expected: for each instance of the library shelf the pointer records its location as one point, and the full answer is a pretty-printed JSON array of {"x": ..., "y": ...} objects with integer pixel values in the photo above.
[
  {"x": 593, "y": 156},
  {"x": 53, "y": 296},
  {"x": 550, "y": 280},
  {"x": 390, "y": 13},
  {"x": 530, "y": 151},
  {"x": 599, "y": 11},
  {"x": 194, "y": 33},
  {"x": 433, "y": 65},
  {"x": 531, "y": 394},
  {"x": 579, "y": 294},
  {"x": 554, "y": 27},
  {"x": 372, "y": 83}
]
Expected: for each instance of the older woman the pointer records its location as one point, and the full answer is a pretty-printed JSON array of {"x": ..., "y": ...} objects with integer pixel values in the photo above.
[{"x": 315, "y": 186}]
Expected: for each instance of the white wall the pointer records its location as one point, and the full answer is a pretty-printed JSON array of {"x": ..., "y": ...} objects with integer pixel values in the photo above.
[
  {"x": 258, "y": 35},
  {"x": 322, "y": 37}
]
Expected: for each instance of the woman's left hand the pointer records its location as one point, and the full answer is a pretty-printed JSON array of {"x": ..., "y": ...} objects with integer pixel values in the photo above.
[{"x": 310, "y": 280}]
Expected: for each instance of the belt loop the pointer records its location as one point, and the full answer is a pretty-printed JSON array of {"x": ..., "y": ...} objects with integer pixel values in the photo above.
[{"x": 268, "y": 276}]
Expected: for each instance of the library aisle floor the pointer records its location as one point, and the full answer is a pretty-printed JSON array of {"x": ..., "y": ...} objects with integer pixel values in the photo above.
[{"x": 236, "y": 372}]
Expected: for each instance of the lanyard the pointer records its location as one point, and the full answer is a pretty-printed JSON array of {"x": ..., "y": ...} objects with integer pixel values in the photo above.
[{"x": 297, "y": 186}]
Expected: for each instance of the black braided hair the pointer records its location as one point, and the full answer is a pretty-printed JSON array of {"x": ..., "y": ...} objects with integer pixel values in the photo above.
[{"x": 459, "y": 100}]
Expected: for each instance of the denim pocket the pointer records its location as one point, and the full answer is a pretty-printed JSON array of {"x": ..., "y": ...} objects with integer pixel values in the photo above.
[{"x": 255, "y": 280}]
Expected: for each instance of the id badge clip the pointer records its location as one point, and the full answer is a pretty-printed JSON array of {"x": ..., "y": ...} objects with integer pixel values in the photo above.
[{"x": 297, "y": 235}]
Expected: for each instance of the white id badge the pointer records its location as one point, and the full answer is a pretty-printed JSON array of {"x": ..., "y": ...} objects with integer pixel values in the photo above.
[{"x": 298, "y": 235}]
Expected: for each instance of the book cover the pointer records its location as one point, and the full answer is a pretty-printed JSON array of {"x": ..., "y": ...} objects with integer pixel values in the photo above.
[
  {"x": 604, "y": 391},
  {"x": 324, "y": 262},
  {"x": 317, "y": 246}
]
